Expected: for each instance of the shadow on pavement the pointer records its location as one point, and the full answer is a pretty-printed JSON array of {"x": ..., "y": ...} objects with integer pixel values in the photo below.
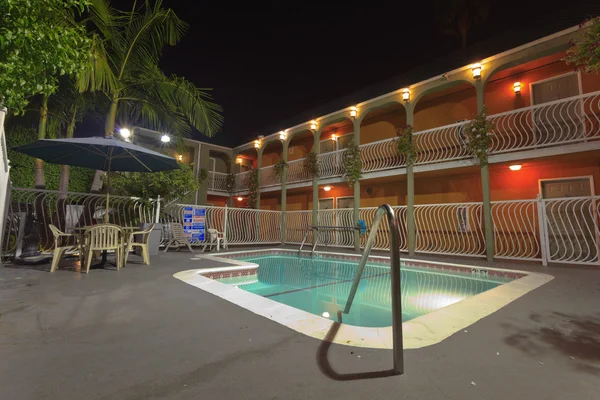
[
  {"x": 327, "y": 370},
  {"x": 574, "y": 336}
]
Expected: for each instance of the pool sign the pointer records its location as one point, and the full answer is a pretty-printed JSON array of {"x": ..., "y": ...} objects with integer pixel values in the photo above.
[{"x": 194, "y": 223}]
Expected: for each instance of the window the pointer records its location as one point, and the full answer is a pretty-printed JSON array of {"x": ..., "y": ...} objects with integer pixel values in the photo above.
[{"x": 555, "y": 88}]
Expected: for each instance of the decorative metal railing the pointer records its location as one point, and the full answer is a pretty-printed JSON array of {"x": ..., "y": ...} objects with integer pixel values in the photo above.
[
  {"x": 297, "y": 223},
  {"x": 268, "y": 177},
  {"x": 330, "y": 164},
  {"x": 31, "y": 211},
  {"x": 217, "y": 182},
  {"x": 446, "y": 143},
  {"x": 572, "y": 120},
  {"x": 4, "y": 176},
  {"x": 516, "y": 229},
  {"x": 382, "y": 241},
  {"x": 241, "y": 181},
  {"x": 296, "y": 172},
  {"x": 380, "y": 156}
]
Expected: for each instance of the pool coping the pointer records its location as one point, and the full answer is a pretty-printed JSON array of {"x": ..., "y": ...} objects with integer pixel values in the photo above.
[{"x": 421, "y": 331}]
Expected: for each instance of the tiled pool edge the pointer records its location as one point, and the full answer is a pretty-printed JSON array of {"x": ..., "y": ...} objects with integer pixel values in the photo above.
[{"x": 422, "y": 331}]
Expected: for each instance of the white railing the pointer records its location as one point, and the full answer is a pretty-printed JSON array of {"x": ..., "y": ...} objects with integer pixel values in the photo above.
[
  {"x": 382, "y": 240},
  {"x": 268, "y": 177},
  {"x": 330, "y": 164},
  {"x": 241, "y": 181},
  {"x": 31, "y": 211},
  {"x": 455, "y": 229},
  {"x": 446, "y": 143},
  {"x": 516, "y": 229},
  {"x": 4, "y": 176},
  {"x": 381, "y": 155},
  {"x": 572, "y": 234},
  {"x": 296, "y": 172},
  {"x": 296, "y": 225},
  {"x": 572, "y": 120},
  {"x": 217, "y": 181},
  {"x": 339, "y": 218},
  {"x": 240, "y": 225}
]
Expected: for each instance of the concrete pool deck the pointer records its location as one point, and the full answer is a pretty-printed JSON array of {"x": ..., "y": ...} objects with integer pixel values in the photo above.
[{"x": 139, "y": 333}]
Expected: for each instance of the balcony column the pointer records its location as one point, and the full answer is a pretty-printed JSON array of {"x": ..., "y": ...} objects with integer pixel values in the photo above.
[
  {"x": 204, "y": 163},
  {"x": 284, "y": 157},
  {"x": 315, "y": 205},
  {"x": 410, "y": 191},
  {"x": 356, "y": 211},
  {"x": 485, "y": 186},
  {"x": 259, "y": 154}
]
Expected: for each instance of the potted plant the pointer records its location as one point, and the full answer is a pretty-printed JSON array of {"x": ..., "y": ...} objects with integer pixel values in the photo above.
[{"x": 352, "y": 164}]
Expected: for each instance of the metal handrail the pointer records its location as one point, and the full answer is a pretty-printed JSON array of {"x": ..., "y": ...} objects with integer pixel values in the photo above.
[
  {"x": 325, "y": 228},
  {"x": 395, "y": 276}
]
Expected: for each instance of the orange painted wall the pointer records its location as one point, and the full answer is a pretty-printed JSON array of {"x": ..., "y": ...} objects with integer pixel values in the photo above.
[
  {"x": 299, "y": 201},
  {"x": 382, "y": 127},
  {"x": 270, "y": 201},
  {"x": 300, "y": 147},
  {"x": 272, "y": 154},
  {"x": 524, "y": 184},
  {"x": 445, "y": 110},
  {"x": 376, "y": 194},
  {"x": 218, "y": 201}
]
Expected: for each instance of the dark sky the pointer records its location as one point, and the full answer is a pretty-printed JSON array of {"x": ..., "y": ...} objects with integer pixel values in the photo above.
[{"x": 269, "y": 61}]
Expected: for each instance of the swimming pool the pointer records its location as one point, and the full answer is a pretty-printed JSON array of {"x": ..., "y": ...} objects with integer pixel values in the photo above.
[
  {"x": 321, "y": 287},
  {"x": 304, "y": 294}
]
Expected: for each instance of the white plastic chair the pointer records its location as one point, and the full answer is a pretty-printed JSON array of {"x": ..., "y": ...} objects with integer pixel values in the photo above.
[
  {"x": 215, "y": 238},
  {"x": 62, "y": 242},
  {"x": 144, "y": 237},
  {"x": 103, "y": 237}
]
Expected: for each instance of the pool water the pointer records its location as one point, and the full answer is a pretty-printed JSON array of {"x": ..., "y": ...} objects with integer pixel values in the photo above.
[{"x": 321, "y": 287}]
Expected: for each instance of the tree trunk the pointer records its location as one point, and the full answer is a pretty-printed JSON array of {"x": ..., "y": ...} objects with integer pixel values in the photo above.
[
  {"x": 39, "y": 182},
  {"x": 63, "y": 184},
  {"x": 109, "y": 128}
]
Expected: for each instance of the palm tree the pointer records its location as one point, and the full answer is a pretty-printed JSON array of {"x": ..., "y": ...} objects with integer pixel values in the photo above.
[
  {"x": 127, "y": 47},
  {"x": 458, "y": 17}
]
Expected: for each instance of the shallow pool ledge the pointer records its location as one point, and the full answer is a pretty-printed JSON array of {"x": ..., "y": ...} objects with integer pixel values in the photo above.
[{"x": 422, "y": 331}]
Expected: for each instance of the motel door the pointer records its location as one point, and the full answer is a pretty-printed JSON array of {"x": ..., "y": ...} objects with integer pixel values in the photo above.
[
  {"x": 571, "y": 220},
  {"x": 559, "y": 122}
]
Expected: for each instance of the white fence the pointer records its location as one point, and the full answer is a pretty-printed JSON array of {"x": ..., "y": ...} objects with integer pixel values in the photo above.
[
  {"x": 217, "y": 181},
  {"x": 297, "y": 223},
  {"x": 296, "y": 172},
  {"x": 330, "y": 164},
  {"x": 4, "y": 177}
]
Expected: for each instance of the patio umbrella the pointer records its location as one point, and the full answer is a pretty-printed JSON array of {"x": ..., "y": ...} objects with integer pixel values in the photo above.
[{"x": 103, "y": 153}]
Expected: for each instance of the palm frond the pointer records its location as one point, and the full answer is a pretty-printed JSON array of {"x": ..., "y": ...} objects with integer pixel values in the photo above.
[{"x": 98, "y": 74}]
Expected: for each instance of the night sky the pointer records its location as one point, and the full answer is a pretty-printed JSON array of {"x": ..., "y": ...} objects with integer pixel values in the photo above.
[{"x": 268, "y": 62}]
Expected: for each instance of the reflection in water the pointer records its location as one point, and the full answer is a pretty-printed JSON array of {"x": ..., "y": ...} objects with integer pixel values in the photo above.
[{"x": 322, "y": 286}]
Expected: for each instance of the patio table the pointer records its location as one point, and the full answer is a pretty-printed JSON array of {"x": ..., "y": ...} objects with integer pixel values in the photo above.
[{"x": 79, "y": 232}]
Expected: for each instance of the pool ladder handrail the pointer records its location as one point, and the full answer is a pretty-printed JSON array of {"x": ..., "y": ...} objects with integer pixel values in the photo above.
[{"x": 385, "y": 209}]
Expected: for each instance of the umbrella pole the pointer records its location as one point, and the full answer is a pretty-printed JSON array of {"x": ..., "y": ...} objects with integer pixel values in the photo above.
[{"x": 107, "y": 215}]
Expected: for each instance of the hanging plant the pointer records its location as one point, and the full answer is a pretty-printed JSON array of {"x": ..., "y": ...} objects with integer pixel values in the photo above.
[
  {"x": 202, "y": 175},
  {"x": 352, "y": 164},
  {"x": 311, "y": 165},
  {"x": 279, "y": 167},
  {"x": 584, "y": 52},
  {"x": 478, "y": 137},
  {"x": 405, "y": 145},
  {"x": 252, "y": 188},
  {"x": 230, "y": 183}
]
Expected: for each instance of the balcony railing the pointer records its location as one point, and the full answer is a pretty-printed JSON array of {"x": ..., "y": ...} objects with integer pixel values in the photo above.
[
  {"x": 572, "y": 120},
  {"x": 296, "y": 172},
  {"x": 553, "y": 124},
  {"x": 241, "y": 181},
  {"x": 217, "y": 182}
]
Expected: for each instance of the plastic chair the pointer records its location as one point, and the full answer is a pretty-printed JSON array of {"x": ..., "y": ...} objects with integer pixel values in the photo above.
[
  {"x": 61, "y": 244},
  {"x": 215, "y": 238},
  {"x": 144, "y": 237},
  {"x": 178, "y": 237},
  {"x": 103, "y": 237}
]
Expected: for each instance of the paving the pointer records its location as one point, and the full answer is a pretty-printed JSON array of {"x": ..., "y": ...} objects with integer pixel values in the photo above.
[{"x": 139, "y": 333}]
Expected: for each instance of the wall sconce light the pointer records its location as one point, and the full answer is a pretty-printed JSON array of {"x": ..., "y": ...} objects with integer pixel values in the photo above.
[
  {"x": 476, "y": 70},
  {"x": 353, "y": 112},
  {"x": 517, "y": 87},
  {"x": 282, "y": 135},
  {"x": 165, "y": 138},
  {"x": 257, "y": 144},
  {"x": 327, "y": 188},
  {"x": 240, "y": 198},
  {"x": 313, "y": 125},
  {"x": 126, "y": 133},
  {"x": 180, "y": 157},
  {"x": 406, "y": 95},
  {"x": 334, "y": 136},
  {"x": 239, "y": 160},
  {"x": 515, "y": 167}
]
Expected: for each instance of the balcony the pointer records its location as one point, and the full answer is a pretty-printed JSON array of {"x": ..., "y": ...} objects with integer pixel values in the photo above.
[{"x": 566, "y": 125}]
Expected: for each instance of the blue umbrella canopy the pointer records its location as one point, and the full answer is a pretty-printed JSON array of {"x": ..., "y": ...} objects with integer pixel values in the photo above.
[{"x": 103, "y": 153}]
